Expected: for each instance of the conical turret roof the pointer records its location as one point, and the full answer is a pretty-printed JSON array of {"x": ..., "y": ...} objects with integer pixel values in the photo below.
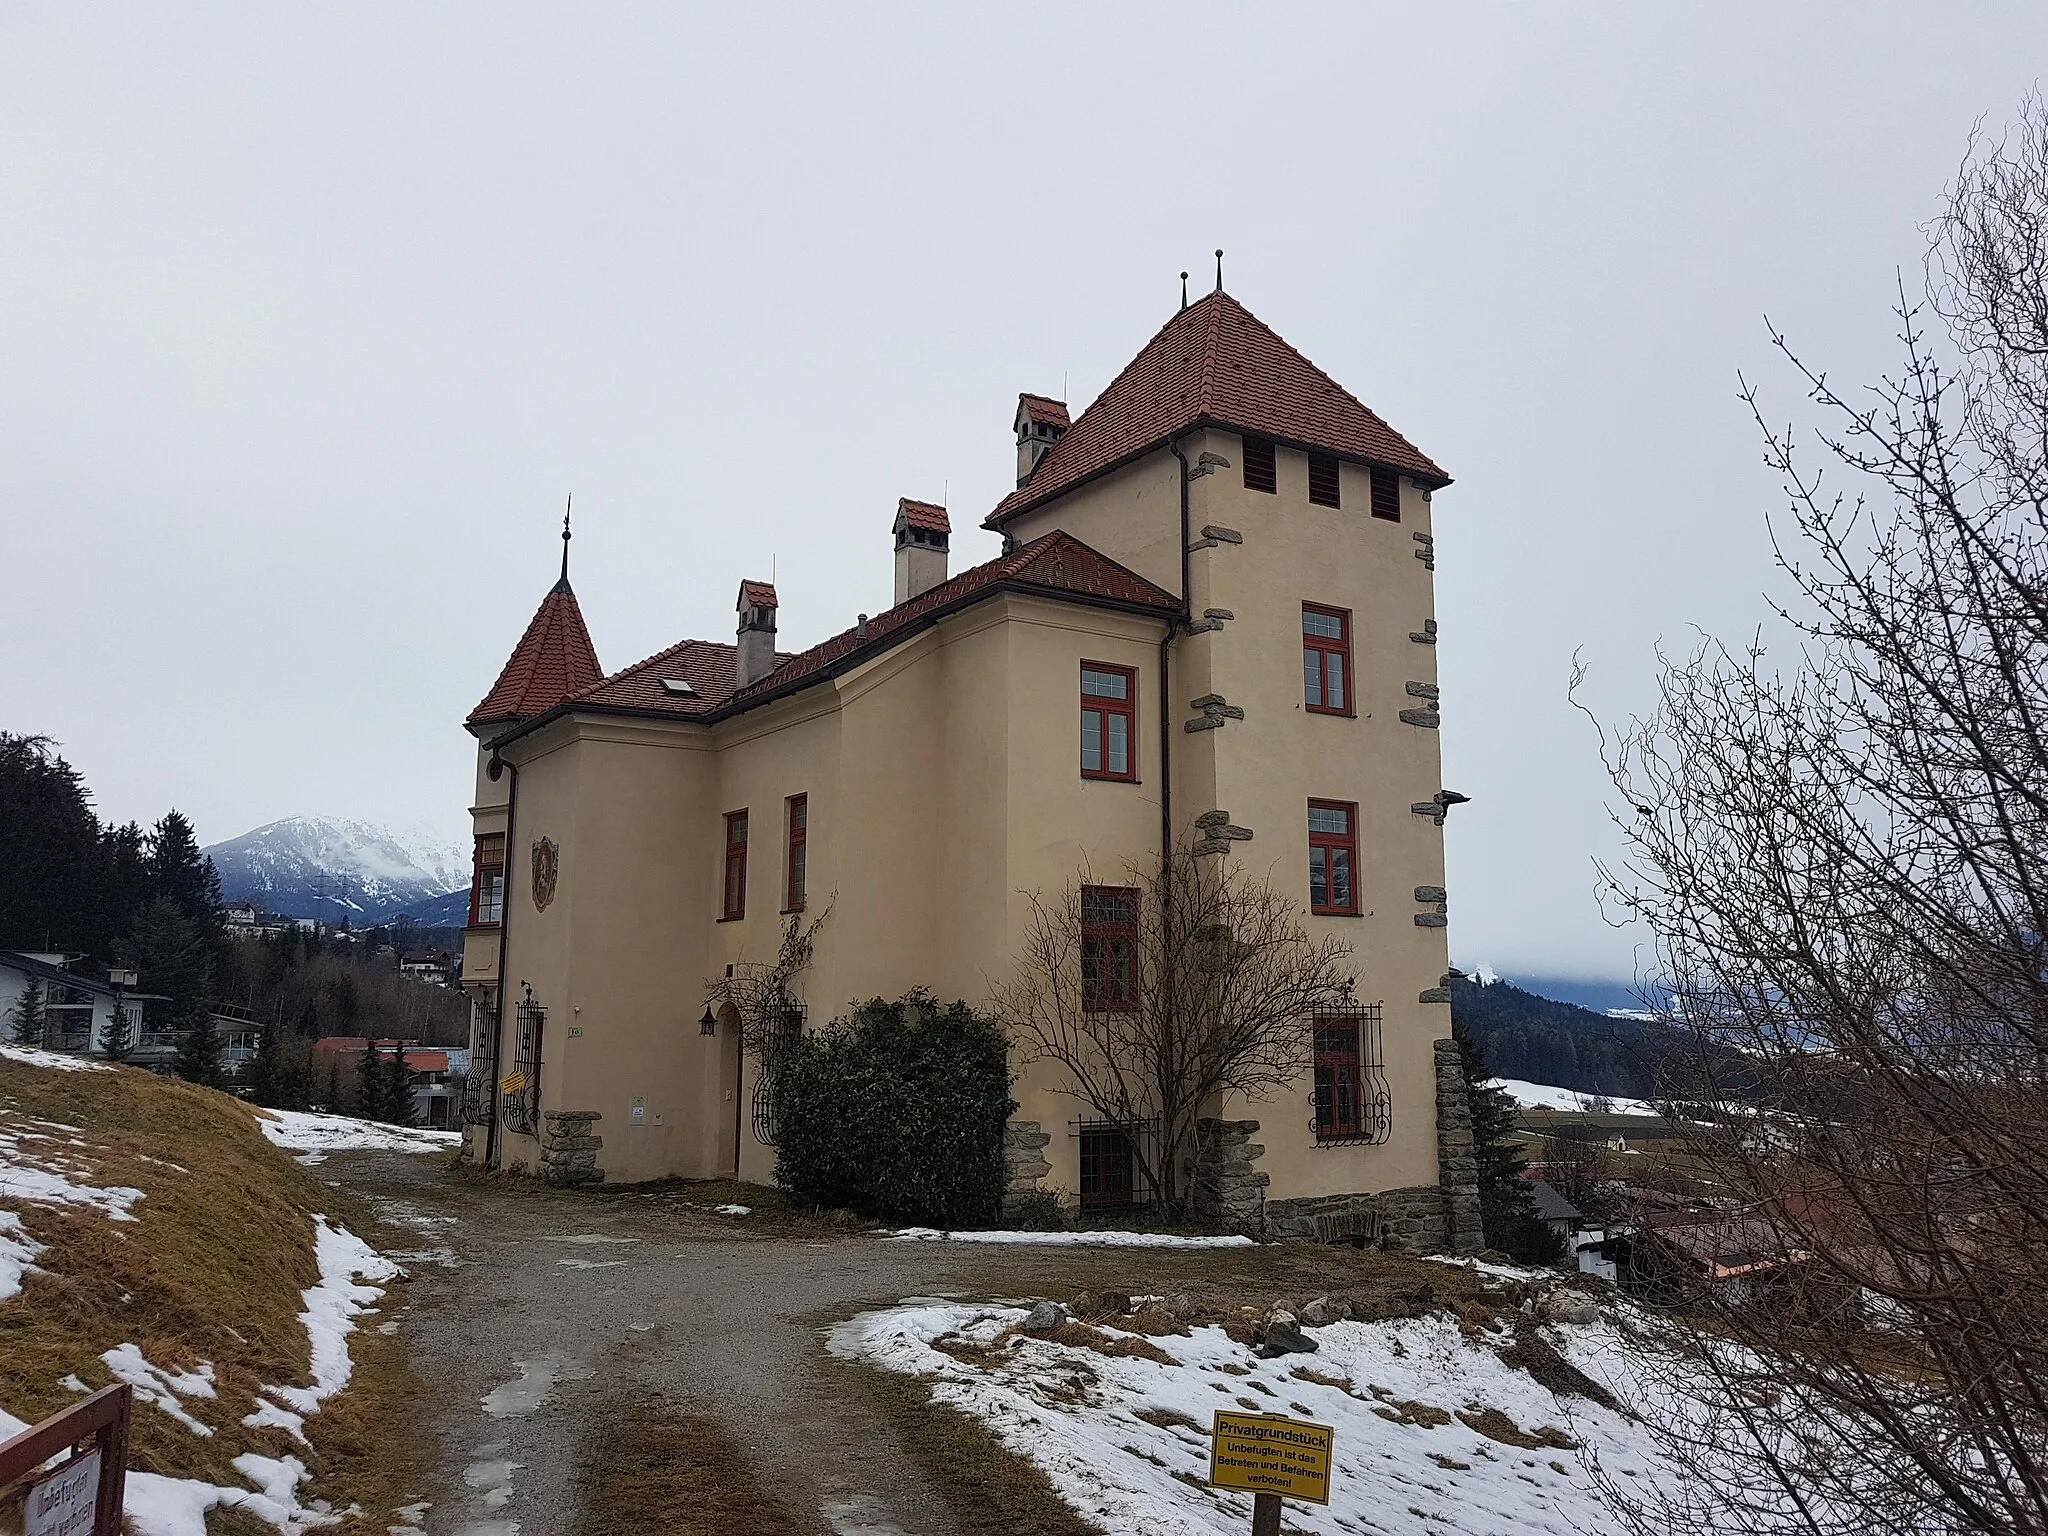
[{"x": 553, "y": 661}]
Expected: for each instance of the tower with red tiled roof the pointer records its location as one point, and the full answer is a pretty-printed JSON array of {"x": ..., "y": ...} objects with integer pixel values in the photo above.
[{"x": 553, "y": 661}]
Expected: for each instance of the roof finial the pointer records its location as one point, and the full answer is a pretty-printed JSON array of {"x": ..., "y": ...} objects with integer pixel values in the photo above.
[
  {"x": 565, "y": 537},
  {"x": 1183, "y": 290},
  {"x": 1219, "y": 269}
]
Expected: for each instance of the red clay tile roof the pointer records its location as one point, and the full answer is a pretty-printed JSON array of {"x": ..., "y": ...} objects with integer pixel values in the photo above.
[
  {"x": 553, "y": 660},
  {"x": 922, "y": 514},
  {"x": 1215, "y": 363},
  {"x": 1057, "y": 564},
  {"x": 756, "y": 594},
  {"x": 1043, "y": 408}
]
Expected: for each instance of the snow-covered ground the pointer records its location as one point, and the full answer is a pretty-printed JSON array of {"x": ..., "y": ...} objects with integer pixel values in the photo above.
[
  {"x": 1544, "y": 1096},
  {"x": 317, "y": 1135},
  {"x": 57, "y": 1061},
  {"x": 1125, "y": 1439},
  {"x": 1069, "y": 1239}
]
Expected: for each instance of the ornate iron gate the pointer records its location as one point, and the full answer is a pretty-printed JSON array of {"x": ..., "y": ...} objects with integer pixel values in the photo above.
[{"x": 519, "y": 1088}]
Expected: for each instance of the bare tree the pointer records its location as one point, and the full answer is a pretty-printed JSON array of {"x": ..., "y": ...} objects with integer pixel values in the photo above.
[
  {"x": 759, "y": 992},
  {"x": 1844, "y": 860},
  {"x": 1159, "y": 996}
]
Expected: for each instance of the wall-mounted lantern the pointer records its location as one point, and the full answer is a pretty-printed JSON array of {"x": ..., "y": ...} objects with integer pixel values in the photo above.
[{"x": 707, "y": 1025}]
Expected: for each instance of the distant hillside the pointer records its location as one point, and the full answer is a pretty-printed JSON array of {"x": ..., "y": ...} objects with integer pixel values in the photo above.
[
  {"x": 344, "y": 871},
  {"x": 1542, "y": 1041}
]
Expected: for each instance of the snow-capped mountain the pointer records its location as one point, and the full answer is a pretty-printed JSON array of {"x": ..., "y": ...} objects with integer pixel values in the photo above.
[{"x": 335, "y": 869}]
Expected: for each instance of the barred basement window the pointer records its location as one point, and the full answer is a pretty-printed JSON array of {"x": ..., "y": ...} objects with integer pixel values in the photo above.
[
  {"x": 1353, "y": 1104},
  {"x": 1322, "y": 480},
  {"x": 1259, "y": 473},
  {"x": 1112, "y": 1170},
  {"x": 1386, "y": 495}
]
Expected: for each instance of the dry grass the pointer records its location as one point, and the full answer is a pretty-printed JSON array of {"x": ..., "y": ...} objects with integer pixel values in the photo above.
[
  {"x": 211, "y": 1269},
  {"x": 1171, "y": 1418},
  {"x": 1080, "y": 1336},
  {"x": 989, "y": 1491},
  {"x": 1421, "y": 1415},
  {"x": 650, "y": 1467},
  {"x": 1495, "y": 1425}
]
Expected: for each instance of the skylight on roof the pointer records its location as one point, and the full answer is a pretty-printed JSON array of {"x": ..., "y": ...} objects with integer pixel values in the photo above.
[{"x": 676, "y": 688}]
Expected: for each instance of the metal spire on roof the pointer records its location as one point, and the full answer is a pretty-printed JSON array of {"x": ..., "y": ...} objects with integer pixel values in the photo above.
[
  {"x": 565, "y": 537},
  {"x": 1183, "y": 290},
  {"x": 1219, "y": 269}
]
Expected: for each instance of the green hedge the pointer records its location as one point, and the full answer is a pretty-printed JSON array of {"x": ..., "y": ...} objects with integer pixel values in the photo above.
[{"x": 896, "y": 1111}]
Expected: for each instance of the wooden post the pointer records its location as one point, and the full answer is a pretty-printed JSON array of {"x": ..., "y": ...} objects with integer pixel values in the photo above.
[{"x": 1265, "y": 1514}]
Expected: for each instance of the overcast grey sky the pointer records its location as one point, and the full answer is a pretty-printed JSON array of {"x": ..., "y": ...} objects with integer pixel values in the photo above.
[{"x": 311, "y": 316}]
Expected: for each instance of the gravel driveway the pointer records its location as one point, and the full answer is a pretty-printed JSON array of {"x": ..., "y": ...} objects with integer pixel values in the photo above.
[{"x": 533, "y": 1309}]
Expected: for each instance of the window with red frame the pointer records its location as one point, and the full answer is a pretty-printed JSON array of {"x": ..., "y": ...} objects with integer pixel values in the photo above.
[
  {"x": 1333, "y": 858},
  {"x": 735, "y": 865},
  {"x": 1109, "y": 949},
  {"x": 1325, "y": 660},
  {"x": 1352, "y": 1102},
  {"x": 487, "y": 882},
  {"x": 1109, "y": 721},
  {"x": 795, "y": 866},
  {"x": 1386, "y": 495}
]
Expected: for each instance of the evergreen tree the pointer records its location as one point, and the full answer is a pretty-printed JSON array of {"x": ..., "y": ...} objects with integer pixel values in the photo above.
[
  {"x": 30, "y": 1021},
  {"x": 173, "y": 956},
  {"x": 54, "y": 896},
  {"x": 198, "y": 1059},
  {"x": 398, "y": 1104},
  {"x": 1507, "y": 1206},
  {"x": 333, "y": 1104},
  {"x": 180, "y": 873},
  {"x": 118, "y": 1043},
  {"x": 266, "y": 1072},
  {"x": 370, "y": 1085}
]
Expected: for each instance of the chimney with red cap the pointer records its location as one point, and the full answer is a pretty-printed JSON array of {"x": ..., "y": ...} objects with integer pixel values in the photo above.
[
  {"x": 757, "y": 633},
  {"x": 923, "y": 535},
  {"x": 1041, "y": 422}
]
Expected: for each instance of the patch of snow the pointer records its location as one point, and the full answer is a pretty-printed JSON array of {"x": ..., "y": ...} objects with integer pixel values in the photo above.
[
  {"x": 1544, "y": 1096},
  {"x": 177, "y": 1506},
  {"x": 331, "y": 1309},
  {"x": 591, "y": 1263},
  {"x": 56, "y": 1061},
  {"x": 588, "y": 1237},
  {"x": 17, "y": 1253},
  {"x": 153, "y": 1384},
  {"x": 71, "y": 1383},
  {"x": 34, "y": 1171},
  {"x": 734, "y": 1210},
  {"x": 299, "y": 1131},
  {"x": 1126, "y": 1473},
  {"x": 530, "y": 1388},
  {"x": 1487, "y": 1267},
  {"x": 1069, "y": 1239}
]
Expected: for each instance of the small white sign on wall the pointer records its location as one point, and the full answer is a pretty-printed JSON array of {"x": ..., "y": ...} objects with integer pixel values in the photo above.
[{"x": 639, "y": 1116}]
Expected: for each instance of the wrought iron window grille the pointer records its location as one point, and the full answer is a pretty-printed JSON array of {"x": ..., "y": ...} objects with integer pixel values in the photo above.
[
  {"x": 1114, "y": 1157},
  {"x": 521, "y": 1107},
  {"x": 767, "y": 1112},
  {"x": 1351, "y": 1104}
]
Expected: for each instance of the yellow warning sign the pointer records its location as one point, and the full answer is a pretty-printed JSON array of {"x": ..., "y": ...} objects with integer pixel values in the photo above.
[
  {"x": 513, "y": 1083},
  {"x": 1266, "y": 1453}
]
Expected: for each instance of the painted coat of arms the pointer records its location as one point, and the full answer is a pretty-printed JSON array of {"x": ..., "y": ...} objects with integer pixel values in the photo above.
[{"x": 547, "y": 864}]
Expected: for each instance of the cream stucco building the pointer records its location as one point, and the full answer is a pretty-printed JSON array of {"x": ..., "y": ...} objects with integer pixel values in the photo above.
[{"x": 1212, "y": 620}]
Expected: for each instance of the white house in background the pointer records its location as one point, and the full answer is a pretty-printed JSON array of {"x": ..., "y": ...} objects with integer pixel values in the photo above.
[{"x": 79, "y": 1011}]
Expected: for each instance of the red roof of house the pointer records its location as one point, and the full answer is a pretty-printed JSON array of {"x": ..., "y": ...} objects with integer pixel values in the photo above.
[
  {"x": 1058, "y": 564},
  {"x": 1042, "y": 408},
  {"x": 553, "y": 660},
  {"x": 756, "y": 594},
  {"x": 1214, "y": 363},
  {"x": 922, "y": 514}
]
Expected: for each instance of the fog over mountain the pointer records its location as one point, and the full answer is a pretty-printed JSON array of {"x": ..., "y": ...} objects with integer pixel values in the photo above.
[{"x": 342, "y": 870}]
